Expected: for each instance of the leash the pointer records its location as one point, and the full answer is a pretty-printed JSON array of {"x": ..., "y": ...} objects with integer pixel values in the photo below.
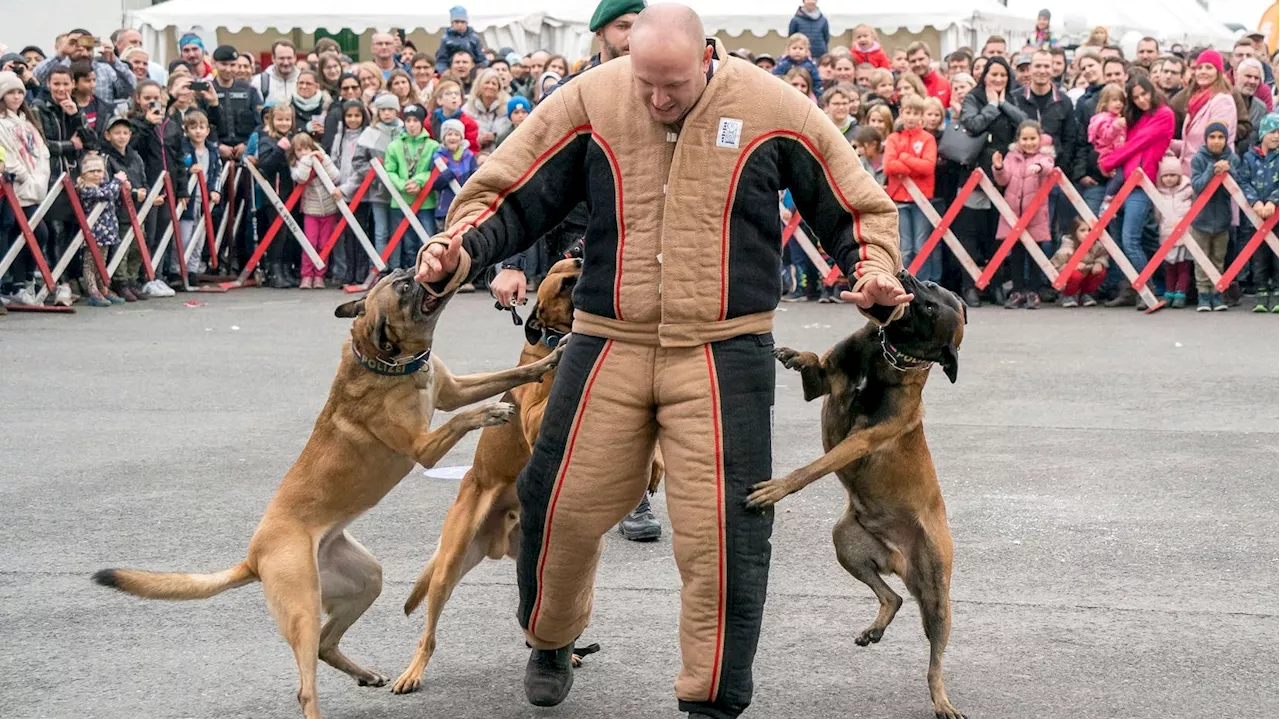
[
  {"x": 898, "y": 359},
  {"x": 515, "y": 316},
  {"x": 397, "y": 368}
]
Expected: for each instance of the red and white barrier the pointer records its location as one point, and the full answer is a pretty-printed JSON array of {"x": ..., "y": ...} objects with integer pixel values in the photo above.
[
  {"x": 29, "y": 238},
  {"x": 284, "y": 216},
  {"x": 410, "y": 219},
  {"x": 135, "y": 229},
  {"x": 349, "y": 218}
]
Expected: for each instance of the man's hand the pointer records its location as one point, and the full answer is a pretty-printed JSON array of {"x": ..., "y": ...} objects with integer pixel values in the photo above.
[
  {"x": 226, "y": 152},
  {"x": 108, "y": 51},
  {"x": 508, "y": 287},
  {"x": 238, "y": 151},
  {"x": 1088, "y": 182},
  {"x": 438, "y": 261},
  {"x": 879, "y": 290}
]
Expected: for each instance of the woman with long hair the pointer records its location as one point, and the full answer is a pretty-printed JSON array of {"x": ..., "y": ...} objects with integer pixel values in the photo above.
[
  {"x": 423, "y": 68},
  {"x": 329, "y": 71},
  {"x": 26, "y": 157},
  {"x": 488, "y": 107},
  {"x": 557, "y": 64},
  {"x": 1149, "y": 122},
  {"x": 1209, "y": 99},
  {"x": 371, "y": 81},
  {"x": 400, "y": 84}
]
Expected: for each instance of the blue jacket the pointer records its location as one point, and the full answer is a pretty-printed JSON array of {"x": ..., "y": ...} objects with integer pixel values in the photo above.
[
  {"x": 818, "y": 32},
  {"x": 785, "y": 63},
  {"x": 211, "y": 173},
  {"x": 461, "y": 170},
  {"x": 1258, "y": 175},
  {"x": 454, "y": 41},
  {"x": 1216, "y": 215}
]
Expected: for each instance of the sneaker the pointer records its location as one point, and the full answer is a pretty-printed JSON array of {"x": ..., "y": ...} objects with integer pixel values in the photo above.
[
  {"x": 304, "y": 283},
  {"x": 797, "y": 296},
  {"x": 137, "y": 293},
  {"x": 63, "y": 295},
  {"x": 1168, "y": 297},
  {"x": 548, "y": 676},
  {"x": 164, "y": 289},
  {"x": 1013, "y": 301},
  {"x": 317, "y": 283},
  {"x": 1087, "y": 301},
  {"x": 1261, "y": 305},
  {"x": 1220, "y": 303},
  {"x": 1204, "y": 304},
  {"x": 26, "y": 296},
  {"x": 96, "y": 300},
  {"x": 641, "y": 525},
  {"x": 1068, "y": 302},
  {"x": 1031, "y": 301},
  {"x": 113, "y": 298},
  {"x": 1179, "y": 300}
]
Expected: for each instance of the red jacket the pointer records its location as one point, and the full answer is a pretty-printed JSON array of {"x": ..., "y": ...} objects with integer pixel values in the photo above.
[
  {"x": 875, "y": 57},
  {"x": 938, "y": 86},
  {"x": 912, "y": 153}
]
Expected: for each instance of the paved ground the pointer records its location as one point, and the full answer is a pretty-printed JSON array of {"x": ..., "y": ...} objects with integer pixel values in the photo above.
[{"x": 1111, "y": 481}]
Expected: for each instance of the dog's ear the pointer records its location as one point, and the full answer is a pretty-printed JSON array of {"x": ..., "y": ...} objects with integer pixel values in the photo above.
[
  {"x": 950, "y": 362},
  {"x": 533, "y": 326},
  {"x": 354, "y": 308},
  {"x": 378, "y": 335},
  {"x": 567, "y": 284}
]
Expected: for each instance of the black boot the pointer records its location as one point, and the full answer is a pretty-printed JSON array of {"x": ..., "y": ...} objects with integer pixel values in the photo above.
[
  {"x": 997, "y": 293},
  {"x": 276, "y": 279},
  {"x": 971, "y": 297},
  {"x": 1127, "y": 297},
  {"x": 548, "y": 676},
  {"x": 641, "y": 525}
]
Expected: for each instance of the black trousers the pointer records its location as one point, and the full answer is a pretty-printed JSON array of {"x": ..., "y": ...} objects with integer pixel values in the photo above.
[
  {"x": 709, "y": 408},
  {"x": 976, "y": 230}
]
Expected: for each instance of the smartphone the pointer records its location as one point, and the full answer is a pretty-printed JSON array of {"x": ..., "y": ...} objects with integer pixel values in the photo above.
[
  {"x": 199, "y": 85},
  {"x": 87, "y": 41}
]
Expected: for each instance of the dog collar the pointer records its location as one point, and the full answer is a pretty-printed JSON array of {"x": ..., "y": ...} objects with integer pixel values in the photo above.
[
  {"x": 898, "y": 359},
  {"x": 398, "y": 368},
  {"x": 551, "y": 337}
]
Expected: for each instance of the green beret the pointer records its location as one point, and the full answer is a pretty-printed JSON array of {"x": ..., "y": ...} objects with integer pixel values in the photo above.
[{"x": 609, "y": 10}]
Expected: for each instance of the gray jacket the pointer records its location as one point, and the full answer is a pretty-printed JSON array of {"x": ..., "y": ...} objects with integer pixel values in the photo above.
[{"x": 113, "y": 82}]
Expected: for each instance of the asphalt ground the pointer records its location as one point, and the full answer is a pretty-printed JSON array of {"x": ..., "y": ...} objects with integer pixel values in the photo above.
[{"x": 1111, "y": 482}]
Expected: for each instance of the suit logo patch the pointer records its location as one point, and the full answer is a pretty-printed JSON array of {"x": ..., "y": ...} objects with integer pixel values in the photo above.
[
  {"x": 918, "y": 146},
  {"x": 730, "y": 132}
]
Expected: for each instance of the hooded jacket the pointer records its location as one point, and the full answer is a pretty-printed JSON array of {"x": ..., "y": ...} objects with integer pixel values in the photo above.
[
  {"x": 1216, "y": 215},
  {"x": 1095, "y": 256},
  {"x": 914, "y": 154},
  {"x": 1173, "y": 203},
  {"x": 418, "y": 151},
  {"x": 1021, "y": 185},
  {"x": 471, "y": 130},
  {"x": 683, "y": 230},
  {"x": 454, "y": 41},
  {"x": 157, "y": 155},
  {"x": 26, "y": 156},
  {"x": 460, "y": 168},
  {"x": 59, "y": 128},
  {"x": 1084, "y": 159},
  {"x": 1258, "y": 175},
  {"x": 316, "y": 200},
  {"x": 814, "y": 27}
]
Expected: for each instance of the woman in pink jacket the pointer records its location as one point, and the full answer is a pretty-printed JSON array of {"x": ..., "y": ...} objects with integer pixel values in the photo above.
[
  {"x": 1027, "y": 167},
  {"x": 1210, "y": 101},
  {"x": 1150, "y": 123}
]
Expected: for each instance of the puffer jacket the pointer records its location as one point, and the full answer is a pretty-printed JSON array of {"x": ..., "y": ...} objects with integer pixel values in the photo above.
[
  {"x": 353, "y": 165},
  {"x": 1022, "y": 174},
  {"x": 914, "y": 154},
  {"x": 372, "y": 145},
  {"x": 454, "y": 41},
  {"x": 26, "y": 156},
  {"x": 1106, "y": 133},
  {"x": 1258, "y": 175},
  {"x": 1217, "y": 214},
  {"x": 316, "y": 200},
  {"x": 817, "y": 29},
  {"x": 1173, "y": 204},
  {"x": 459, "y": 168},
  {"x": 1096, "y": 256},
  {"x": 677, "y": 260}
]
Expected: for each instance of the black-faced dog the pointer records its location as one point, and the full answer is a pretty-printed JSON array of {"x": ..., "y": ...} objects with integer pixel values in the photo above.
[{"x": 896, "y": 522}]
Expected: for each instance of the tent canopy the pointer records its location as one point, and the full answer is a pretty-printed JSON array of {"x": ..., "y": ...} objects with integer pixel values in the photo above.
[
  {"x": 1182, "y": 21},
  {"x": 758, "y": 17}
]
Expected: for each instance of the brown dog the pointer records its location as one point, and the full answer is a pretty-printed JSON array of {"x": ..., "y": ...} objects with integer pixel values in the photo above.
[
  {"x": 484, "y": 520},
  {"x": 873, "y": 436},
  {"x": 375, "y": 426}
]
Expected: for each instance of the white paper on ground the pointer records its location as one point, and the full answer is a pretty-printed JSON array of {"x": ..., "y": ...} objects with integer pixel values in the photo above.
[{"x": 446, "y": 472}]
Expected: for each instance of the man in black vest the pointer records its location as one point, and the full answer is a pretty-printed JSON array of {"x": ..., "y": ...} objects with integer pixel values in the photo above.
[{"x": 242, "y": 108}]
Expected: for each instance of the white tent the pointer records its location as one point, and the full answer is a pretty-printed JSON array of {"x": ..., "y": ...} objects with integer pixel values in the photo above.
[
  {"x": 957, "y": 23},
  {"x": 1183, "y": 21},
  {"x": 501, "y": 23}
]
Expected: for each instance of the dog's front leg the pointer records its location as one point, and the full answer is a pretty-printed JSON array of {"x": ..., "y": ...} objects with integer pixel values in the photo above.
[
  {"x": 857, "y": 445},
  {"x": 454, "y": 392},
  {"x": 431, "y": 445}
]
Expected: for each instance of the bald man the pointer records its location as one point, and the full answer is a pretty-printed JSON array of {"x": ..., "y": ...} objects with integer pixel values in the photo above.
[{"x": 680, "y": 151}]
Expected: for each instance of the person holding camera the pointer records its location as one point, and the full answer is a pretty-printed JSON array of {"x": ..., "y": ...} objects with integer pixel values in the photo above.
[
  {"x": 17, "y": 64},
  {"x": 148, "y": 119},
  {"x": 113, "y": 79}
]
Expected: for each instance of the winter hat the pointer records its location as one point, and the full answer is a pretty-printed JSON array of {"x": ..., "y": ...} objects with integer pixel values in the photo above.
[
  {"x": 452, "y": 124},
  {"x": 225, "y": 53},
  {"x": 10, "y": 82},
  {"x": 1044, "y": 14},
  {"x": 190, "y": 39},
  {"x": 513, "y": 58},
  {"x": 1216, "y": 126},
  {"x": 1169, "y": 165},
  {"x": 9, "y": 57},
  {"x": 417, "y": 111},
  {"x": 457, "y": 12},
  {"x": 518, "y": 101},
  {"x": 386, "y": 101},
  {"x": 1213, "y": 57},
  {"x": 92, "y": 161},
  {"x": 609, "y": 10},
  {"x": 33, "y": 48},
  {"x": 1270, "y": 123},
  {"x": 116, "y": 120}
]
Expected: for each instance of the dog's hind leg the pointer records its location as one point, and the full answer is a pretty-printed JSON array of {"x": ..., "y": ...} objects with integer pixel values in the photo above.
[
  {"x": 863, "y": 556},
  {"x": 350, "y": 581},
  {"x": 453, "y": 558},
  {"x": 291, "y": 584},
  {"x": 929, "y": 580}
]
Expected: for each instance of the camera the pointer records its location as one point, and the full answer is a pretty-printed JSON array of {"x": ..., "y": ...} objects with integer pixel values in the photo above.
[
  {"x": 88, "y": 41},
  {"x": 199, "y": 85}
]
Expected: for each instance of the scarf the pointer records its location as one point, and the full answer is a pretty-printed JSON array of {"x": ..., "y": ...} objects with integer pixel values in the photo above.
[
  {"x": 1198, "y": 100},
  {"x": 25, "y": 140},
  {"x": 307, "y": 105},
  {"x": 867, "y": 51}
]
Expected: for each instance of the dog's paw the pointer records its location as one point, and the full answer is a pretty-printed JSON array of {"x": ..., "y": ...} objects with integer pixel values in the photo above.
[
  {"x": 371, "y": 679},
  {"x": 489, "y": 415},
  {"x": 767, "y": 494},
  {"x": 871, "y": 635},
  {"x": 791, "y": 359},
  {"x": 945, "y": 710},
  {"x": 407, "y": 683}
]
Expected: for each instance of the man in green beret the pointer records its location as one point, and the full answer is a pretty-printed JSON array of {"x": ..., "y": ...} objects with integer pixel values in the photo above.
[{"x": 612, "y": 25}]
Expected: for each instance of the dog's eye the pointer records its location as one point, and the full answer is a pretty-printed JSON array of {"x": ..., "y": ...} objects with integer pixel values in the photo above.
[
  {"x": 401, "y": 287},
  {"x": 930, "y": 308}
]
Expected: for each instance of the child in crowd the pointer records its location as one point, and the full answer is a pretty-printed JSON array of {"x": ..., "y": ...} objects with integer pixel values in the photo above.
[
  {"x": 461, "y": 163},
  {"x": 271, "y": 144},
  {"x": 1210, "y": 227},
  {"x": 1176, "y": 197},
  {"x": 373, "y": 144},
  {"x": 124, "y": 160},
  {"x": 882, "y": 92},
  {"x": 409, "y": 163},
  {"x": 448, "y": 106},
  {"x": 1087, "y": 276},
  {"x": 797, "y": 56},
  {"x": 26, "y": 160},
  {"x": 866, "y": 48},
  {"x": 319, "y": 206},
  {"x": 93, "y": 187},
  {"x": 348, "y": 260},
  {"x": 199, "y": 155},
  {"x": 518, "y": 108},
  {"x": 912, "y": 153},
  {"x": 1022, "y": 172},
  {"x": 935, "y": 116},
  {"x": 1107, "y": 130},
  {"x": 1259, "y": 182},
  {"x": 838, "y": 102},
  {"x": 870, "y": 143},
  {"x": 880, "y": 119}
]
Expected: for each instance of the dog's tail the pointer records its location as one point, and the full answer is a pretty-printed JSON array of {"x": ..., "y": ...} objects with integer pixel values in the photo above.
[{"x": 163, "y": 585}]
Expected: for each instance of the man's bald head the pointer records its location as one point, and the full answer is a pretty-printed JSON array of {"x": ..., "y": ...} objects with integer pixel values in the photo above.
[{"x": 669, "y": 60}]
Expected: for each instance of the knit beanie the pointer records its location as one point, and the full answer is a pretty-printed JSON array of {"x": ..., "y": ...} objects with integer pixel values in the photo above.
[
  {"x": 386, "y": 101},
  {"x": 190, "y": 39},
  {"x": 10, "y": 82},
  {"x": 417, "y": 111},
  {"x": 1216, "y": 126},
  {"x": 518, "y": 101},
  {"x": 452, "y": 124},
  {"x": 1169, "y": 165},
  {"x": 92, "y": 161},
  {"x": 1270, "y": 123},
  {"x": 1213, "y": 57}
]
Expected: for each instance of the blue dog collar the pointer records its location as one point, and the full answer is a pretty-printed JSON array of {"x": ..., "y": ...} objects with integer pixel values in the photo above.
[{"x": 398, "y": 368}]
